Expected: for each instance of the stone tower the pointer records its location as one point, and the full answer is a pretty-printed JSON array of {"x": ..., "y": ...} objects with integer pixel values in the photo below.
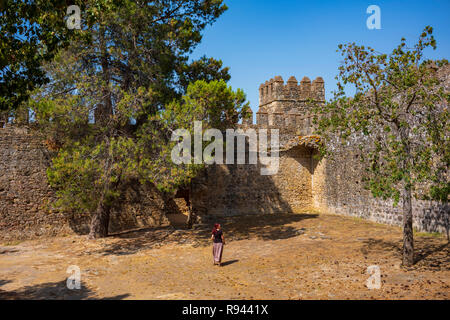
[{"x": 284, "y": 105}]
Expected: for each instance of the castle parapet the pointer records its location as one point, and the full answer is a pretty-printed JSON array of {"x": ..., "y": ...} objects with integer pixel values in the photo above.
[
  {"x": 275, "y": 89},
  {"x": 287, "y": 104},
  {"x": 318, "y": 89},
  {"x": 305, "y": 88}
]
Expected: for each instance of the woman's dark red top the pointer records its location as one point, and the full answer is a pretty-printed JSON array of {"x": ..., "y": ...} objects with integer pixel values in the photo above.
[{"x": 217, "y": 236}]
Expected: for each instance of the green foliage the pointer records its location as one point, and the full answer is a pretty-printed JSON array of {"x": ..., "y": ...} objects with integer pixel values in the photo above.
[
  {"x": 147, "y": 44},
  {"x": 31, "y": 32},
  {"x": 207, "y": 69},
  {"x": 94, "y": 160},
  {"x": 213, "y": 102},
  {"x": 139, "y": 43},
  {"x": 119, "y": 91},
  {"x": 398, "y": 118}
]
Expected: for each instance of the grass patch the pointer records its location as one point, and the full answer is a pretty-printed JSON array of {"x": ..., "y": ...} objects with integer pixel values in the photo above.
[
  {"x": 12, "y": 243},
  {"x": 428, "y": 234}
]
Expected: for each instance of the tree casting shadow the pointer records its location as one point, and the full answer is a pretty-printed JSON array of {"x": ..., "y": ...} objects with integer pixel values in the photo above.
[
  {"x": 264, "y": 227},
  {"x": 52, "y": 291},
  {"x": 429, "y": 252}
]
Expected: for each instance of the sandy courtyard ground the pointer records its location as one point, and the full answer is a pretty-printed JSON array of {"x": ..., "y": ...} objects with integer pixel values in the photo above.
[{"x": 295, "y": 256}]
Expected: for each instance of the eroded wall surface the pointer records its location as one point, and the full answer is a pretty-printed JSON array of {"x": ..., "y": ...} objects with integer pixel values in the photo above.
[
  {"x": 303, "y": 181},
  {"x": 338, "y": 187},
  {"x": 26, "y": 199},
  {"x": 241, "y": 189}
]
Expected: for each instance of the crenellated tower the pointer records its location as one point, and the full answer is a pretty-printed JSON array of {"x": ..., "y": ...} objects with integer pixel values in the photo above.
[{"x": 288, "y": 104}]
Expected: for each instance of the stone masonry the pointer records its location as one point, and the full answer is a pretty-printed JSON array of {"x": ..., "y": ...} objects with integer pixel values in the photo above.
[
  {"x": 26, "y": 198},
  {"x": 302, "y": 183}
]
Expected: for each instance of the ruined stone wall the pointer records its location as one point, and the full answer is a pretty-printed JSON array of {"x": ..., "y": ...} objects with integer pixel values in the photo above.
[
  {"x": 26, "y": 198},
  {"x": 24, "y": 191},
  {"x": 337, "y": 187},
  {"x": 241, "y": 189},
  {"x": 302, "y": 182},
  {"x": 236, "y": 189},
  {"x": 288, "y": 104}
]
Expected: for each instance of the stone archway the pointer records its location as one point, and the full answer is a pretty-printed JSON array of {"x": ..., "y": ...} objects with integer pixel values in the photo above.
[{"x": 178, "y": 209}]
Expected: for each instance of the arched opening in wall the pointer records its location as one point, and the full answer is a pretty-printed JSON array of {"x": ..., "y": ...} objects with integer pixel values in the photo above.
[
  {"x": 295, "y": 177},
  {"x": 178, "y": 208}
]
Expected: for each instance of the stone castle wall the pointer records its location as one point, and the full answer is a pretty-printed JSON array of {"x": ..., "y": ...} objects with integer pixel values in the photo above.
[
  {"x": 340, "y": 190},
  {"x": 26, "y": 197},
  {"x": 241, "y": 189},
  {"x": 303, "y": 182},
  {"x": 285, "y": 105},
  {"x": 24, "y": 191},
  {"x": 235, "y": 189}
]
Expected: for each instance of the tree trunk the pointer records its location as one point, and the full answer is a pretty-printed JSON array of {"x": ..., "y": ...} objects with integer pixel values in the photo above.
[
  {"x": 100, "y": 222},
  {"x": 408, "y": 241},
  {"x": 104, "y": 110}
]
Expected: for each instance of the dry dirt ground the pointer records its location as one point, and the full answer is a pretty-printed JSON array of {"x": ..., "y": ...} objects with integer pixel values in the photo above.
[{"x": 295, "y": 256}]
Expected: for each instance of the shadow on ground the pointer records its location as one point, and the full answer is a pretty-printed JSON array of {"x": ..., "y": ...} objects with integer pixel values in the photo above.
[
  {"x": 265, "y": 227},
  {"x": 428, "y": 253},
  {"x": 227, "y": 263},
  {"x": 7, "y": 250},
  {"x": 3, "y": 282},
  {"x": 51, "y": 291}
]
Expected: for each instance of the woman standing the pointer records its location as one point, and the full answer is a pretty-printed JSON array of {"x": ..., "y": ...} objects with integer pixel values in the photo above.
[{"x": 218, "y": 243}]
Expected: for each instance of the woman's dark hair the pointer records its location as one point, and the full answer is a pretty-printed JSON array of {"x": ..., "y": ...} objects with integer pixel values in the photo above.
[{"x": 214, "y": 230}]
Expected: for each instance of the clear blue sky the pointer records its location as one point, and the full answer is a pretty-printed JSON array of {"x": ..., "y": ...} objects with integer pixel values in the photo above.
[{"x": 260, "y": 39}]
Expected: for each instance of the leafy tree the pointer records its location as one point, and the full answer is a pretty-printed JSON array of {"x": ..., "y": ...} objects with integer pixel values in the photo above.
[
  {"x": 134, "y": 44},
  {"x": 144, "y": 44},
  {"x": 399, "y": 119},
  {"x": 31, "y": 32},
  {"x": 95, "y": 161},
  {"x": 105, "y": 109},
  {"x": 203, "y": 69}
]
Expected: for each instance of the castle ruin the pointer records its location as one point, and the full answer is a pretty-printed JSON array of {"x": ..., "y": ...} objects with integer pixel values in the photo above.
[
  {"x": 287, "y": 105},
  {"x": 302, "y": 183}
]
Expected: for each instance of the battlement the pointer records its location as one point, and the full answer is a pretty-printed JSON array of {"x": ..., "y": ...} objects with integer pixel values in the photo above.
[
  {"x": 288, "y": 104},
  {"x": 275, "y": 89}
]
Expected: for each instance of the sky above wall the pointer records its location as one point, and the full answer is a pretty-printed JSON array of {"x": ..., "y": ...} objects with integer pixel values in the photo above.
[{"x": 260, "y": 39}]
